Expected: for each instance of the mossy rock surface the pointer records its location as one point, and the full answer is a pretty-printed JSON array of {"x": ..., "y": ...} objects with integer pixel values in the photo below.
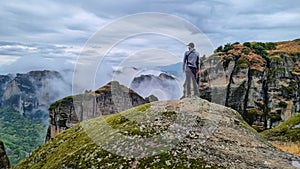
[
  {"x": 288, "y": 130},
  {"x": 188, "y": 133}
]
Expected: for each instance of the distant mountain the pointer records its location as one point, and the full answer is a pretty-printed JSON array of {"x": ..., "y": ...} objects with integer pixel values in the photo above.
[
  {"x": 163, "y": 86},
  {"x": 174, "y": 69},
  {"x": 24, "y": 102},
  {"x": 31, "y": 93}
]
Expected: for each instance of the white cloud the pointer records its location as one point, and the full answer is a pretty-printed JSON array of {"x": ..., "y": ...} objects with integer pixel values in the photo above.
[
  {"x": 45, "y": 30},
  {"x": 7, "y": 59},
  {"x": 151, "y": 57}
]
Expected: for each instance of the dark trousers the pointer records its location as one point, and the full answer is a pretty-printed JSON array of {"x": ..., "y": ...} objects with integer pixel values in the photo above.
[{"x": 191, "y": 79}]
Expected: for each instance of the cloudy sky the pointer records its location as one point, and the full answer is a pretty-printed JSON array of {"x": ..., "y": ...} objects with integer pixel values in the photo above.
[{"x": 52, "y": 34}]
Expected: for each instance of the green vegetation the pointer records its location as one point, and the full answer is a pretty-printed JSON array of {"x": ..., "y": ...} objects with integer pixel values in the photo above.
[
  {"x": 68, "y": 99},
  {"x": 248, "y": 44},
  {"x": 134, "y": 126},
  {"x": 246, "y": 51},
  {"x": 74, "y": 147},
  {"x": 276, "y": 58},
  {"x": 271, "y": 46},
  {"x": 260, "y": 49},
  {"x": 274, "y": 117},
  {"x": 19, "y": 134},
  {"x": 251, "y": 115},
  {"x": 286, "y": 131},
  {"x": 226, "y": 47}
]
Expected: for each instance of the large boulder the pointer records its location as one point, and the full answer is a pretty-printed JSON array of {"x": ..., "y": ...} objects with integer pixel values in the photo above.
[{"x": 187, "y": 133}]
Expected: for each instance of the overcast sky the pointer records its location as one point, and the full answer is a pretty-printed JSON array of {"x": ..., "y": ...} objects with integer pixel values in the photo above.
[{"x": 51, "y": 34}]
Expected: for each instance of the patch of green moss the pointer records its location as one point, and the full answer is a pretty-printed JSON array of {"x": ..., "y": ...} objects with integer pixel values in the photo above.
[
  {"x": 68, "y": 99},
  {"x": 251, "y": 115},
  {"x": 245, "y": 125},
  {"x": 143, "y": 107},
  {"x": 168, "y": 113},
  {"x": 168, "y": 160},
  {"x": 285, "y": 131},
  {"x": 276, "y": 58},
  {"x": 142, "y": 124},
  {"x": 275, "y": 117}
]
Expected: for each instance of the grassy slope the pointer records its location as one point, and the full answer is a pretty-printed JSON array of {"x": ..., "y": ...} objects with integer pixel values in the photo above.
[
  {"x": 285, "y": 131},
  {"x": 291, "y": 47}
]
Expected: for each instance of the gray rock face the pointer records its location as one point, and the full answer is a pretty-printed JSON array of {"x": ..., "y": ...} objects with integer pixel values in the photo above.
[
  {"x": 4, "y": 162},
  {"x": 109, "y": 99},
  {"x": 31, "y": 92},
  {"x": 272, "y": 94},
  {"x": 188, "y": 133},
  {"x": 4, "y": 79}
]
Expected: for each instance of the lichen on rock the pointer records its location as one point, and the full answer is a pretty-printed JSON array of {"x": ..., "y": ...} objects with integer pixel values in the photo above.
[{"x": 187, "y": 133}]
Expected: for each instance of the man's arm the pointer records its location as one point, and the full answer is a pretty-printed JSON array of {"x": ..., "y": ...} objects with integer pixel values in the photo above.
[
  {"x": 184, "y": 62},
  {"x": 197, "y": 64}
]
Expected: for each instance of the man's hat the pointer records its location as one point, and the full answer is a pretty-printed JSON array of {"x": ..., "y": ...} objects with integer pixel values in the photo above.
[{"x": 191, "y": 45}]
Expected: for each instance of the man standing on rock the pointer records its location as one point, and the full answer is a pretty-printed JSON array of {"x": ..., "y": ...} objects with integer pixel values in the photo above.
[{"x": 191, "y": 69}]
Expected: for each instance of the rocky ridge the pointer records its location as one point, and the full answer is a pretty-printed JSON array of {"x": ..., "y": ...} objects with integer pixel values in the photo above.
[
  {"x": 191, "y": 133},
  {"x": 109, "y": 99}
]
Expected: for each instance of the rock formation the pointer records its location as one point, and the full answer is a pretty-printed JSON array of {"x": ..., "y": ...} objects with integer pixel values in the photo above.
[
  {"x": 109, "y": 99},
  {"x": 4, "y": 162},
  {"x": 259, "y": 80},
  {"x": 32, "y": 92},
  {"x": 188, "y": 133}
]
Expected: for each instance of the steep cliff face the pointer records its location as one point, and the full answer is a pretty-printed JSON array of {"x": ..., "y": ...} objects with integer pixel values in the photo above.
[
  {"x": 4, "y": 162},
  {"x": 32, "y": 92},
  {"x": 187, "y": 133},
  {"x": 109, "y": 99},
  {"x": 259, "y": 80},
  {"x": 4, "y": 79}
]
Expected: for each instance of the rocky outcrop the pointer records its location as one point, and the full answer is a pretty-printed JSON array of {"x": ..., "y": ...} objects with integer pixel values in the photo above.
[
  {"x": 4, "y": 162},
  {"x": 259, "y": 80},
  {"x": 4, "y": 79},
  {"x": 109, "y": 99},
  {"x": 31, "y": 93},
  {"x": 187, "y": 133}
]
